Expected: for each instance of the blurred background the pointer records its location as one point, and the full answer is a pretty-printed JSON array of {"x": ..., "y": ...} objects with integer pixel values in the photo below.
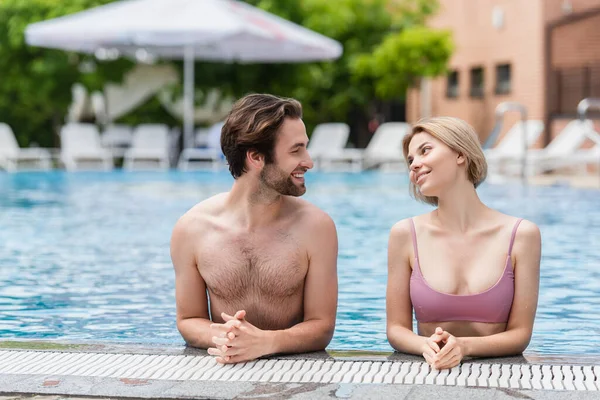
[{"x": 110, "y": 117}]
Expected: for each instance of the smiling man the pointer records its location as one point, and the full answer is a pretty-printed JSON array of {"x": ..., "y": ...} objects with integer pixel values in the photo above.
[{"x": 265, "y": 259}]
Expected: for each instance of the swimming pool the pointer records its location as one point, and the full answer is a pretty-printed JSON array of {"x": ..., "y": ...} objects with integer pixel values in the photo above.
[{"x": 86, "y": 255}]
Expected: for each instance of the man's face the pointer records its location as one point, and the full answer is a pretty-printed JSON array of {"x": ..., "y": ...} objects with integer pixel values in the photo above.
[{"x": 291, "y": 160}]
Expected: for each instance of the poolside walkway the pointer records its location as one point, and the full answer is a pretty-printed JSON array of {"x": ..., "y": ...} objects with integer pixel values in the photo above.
[
  {"x": 590, "y": 181},
  {"x": 119, "y": 371}
]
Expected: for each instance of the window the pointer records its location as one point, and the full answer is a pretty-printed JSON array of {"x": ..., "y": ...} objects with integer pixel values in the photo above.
[
  {"x": 503, "y": 79},
  {"x": 452, "y": 85},
  {"x": 477, "y": 82}
]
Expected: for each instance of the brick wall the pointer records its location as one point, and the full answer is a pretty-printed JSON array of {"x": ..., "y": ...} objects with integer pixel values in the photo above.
[
  {"x": 577, "y": 43},
  {"x": 553, "y": 9},
  {"x": 519, "y": 42}
]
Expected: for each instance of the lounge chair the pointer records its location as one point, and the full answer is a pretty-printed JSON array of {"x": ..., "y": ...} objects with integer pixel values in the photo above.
[
  {"x": 511, "y": 148},
  {"x": 81, "y": 148},
  {"x": 565, "y": 151},
  {"x": 149, "y": 148},
  {"x": 12, "y": 157},
  {"x": 117, "y": 138},
  {"x": 207, "y": 156},
  {"x": 328, "y": 139},
  {"x": 384, "y": 151}
]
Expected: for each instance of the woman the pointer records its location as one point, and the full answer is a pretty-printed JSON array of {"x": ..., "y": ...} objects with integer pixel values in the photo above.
[{"x": 470, "y": 273}]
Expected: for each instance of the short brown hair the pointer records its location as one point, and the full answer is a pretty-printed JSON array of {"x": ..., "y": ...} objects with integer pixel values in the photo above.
[
  {"x": 252, "y": 124},
  {"x": 460, "y": 137}
]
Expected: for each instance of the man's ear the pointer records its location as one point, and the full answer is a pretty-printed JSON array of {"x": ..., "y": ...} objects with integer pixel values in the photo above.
[{"x": 255, "y": 159}]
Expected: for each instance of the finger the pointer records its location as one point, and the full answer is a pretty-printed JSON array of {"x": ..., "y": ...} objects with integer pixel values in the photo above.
[
  {"x": 213, "y": 351},
  {"x": 240, "y": 314},
  {"x": 434, "y": 346},
  {"x": 444, "y": 359},
  {"x": 226, "y": 317},
  {"x": 220, "y": 327},
  {"x": 224, "y": 360},
  {"x": 234, "y": 323},
  {"x": 231, "y": 335},
  {"x": 448, "y": 347},
  {"x": 439, "y": 331},
  {"x": 449, "y": 363},
  {"x": 233, "y": 351},
  {"x": 226, "y": 327},
  {"x": 444, "y": 336},
  {"x": 428, "y": 358},
  {"x": 221, "y": 341}
]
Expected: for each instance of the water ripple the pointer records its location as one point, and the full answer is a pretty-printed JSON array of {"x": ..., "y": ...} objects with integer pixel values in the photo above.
[{"x": 86, "y": 255}]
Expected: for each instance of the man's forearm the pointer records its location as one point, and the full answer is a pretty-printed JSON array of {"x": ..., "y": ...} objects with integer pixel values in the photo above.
[
  {"x": 507, "y": 343},
  {"x": 307, "y": 336},
  {"x": 196, "y": 332}
]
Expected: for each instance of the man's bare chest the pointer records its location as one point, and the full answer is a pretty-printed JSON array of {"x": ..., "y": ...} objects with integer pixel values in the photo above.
[{"x": 234, "y": 266}]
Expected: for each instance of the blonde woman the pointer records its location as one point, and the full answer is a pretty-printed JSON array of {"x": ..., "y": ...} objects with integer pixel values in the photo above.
[{"x": 470, "y": 273}]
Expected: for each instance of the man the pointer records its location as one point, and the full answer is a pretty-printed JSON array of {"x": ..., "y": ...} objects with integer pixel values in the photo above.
[{"x": 265, "y": 259}]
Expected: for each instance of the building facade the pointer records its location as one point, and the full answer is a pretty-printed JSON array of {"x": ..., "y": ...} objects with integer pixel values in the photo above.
[{"x": 544, "y": 54}]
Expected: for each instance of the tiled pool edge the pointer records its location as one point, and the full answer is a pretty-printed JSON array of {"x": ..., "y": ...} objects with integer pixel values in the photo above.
[
  {"x": 347, "y": 355},
  {"x": 177, "y": 372}
]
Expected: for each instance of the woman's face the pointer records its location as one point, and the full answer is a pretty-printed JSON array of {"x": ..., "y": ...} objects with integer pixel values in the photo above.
[{"x": 433, "y": 165}]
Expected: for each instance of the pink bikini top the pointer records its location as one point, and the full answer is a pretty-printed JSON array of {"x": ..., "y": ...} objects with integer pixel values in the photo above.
[{"x": 491, "y": 305}]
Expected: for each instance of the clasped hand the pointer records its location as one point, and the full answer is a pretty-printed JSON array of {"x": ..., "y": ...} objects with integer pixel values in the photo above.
[
  {"x": 442, "y": 350},
  {"x": 237, "y": 340}
]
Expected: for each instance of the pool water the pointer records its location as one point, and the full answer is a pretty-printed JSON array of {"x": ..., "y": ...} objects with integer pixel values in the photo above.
[{"x": 86, "y": 255}]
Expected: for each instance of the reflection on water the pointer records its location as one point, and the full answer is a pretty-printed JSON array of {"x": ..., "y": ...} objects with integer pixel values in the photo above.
[{"x": 86, "y": 255}]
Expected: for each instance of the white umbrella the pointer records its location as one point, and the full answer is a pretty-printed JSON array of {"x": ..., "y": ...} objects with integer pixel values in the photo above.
[{"x": 214, "y": 30}]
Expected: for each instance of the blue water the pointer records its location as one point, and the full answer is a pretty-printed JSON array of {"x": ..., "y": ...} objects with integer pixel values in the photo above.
[{"x": 85, "y": 256}]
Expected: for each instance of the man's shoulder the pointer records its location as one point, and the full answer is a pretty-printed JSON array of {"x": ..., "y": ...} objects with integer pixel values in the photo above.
[
  {"x": 311, "y": 216},
  {"x": 199, "y": 215},
  {"x": 307, "y": 210}
]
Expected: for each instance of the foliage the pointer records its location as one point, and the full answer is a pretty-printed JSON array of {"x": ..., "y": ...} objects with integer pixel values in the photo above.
[
  {"x": 36, "y": 83},
  {"x": 402, "y": 58},
  {"x": 387, "y": 47}
]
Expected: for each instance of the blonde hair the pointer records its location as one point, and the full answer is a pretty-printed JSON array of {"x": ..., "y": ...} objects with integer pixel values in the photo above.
[{"x": 461, "y": 138}]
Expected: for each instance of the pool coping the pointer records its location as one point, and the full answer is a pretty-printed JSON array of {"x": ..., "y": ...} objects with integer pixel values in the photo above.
[
  {"x": 329, "y": 354},
  {"x": 42, "y": 383}
]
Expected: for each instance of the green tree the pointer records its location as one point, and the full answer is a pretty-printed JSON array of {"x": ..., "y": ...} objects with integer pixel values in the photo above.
[
  {"x": 36, "y": 83},
  {"x": 387, "y": 47}
]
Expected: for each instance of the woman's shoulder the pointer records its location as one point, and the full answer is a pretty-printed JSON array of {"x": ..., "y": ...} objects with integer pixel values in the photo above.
[
  {"x": 404, "y": 227},
  {"x": 528, "y": 232},
  {"x": 524, "y": 230}
]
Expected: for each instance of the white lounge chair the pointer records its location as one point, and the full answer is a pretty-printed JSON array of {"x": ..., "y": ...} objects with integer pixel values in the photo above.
[
  {"x": 207, "y": 156},
  {"x": 327, "y": 139},
  {"x": 117, "y": 138},
  {"x": 384, "y": 151},
  {"x": 511, "y": 147},
  {"x": 81, "y": 148},
  {"x": 12, "y": 157},
  {"x": 565, "y": 151},
  {"x": 149, "y": 148}
]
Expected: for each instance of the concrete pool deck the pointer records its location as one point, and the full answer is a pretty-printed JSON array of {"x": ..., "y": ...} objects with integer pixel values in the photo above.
[{"x": 57, "y": 369}]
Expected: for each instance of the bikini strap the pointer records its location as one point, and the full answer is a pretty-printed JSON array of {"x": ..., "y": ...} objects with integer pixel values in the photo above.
[
  {"x": 512, "y": 237},
  {"x": 414, "y": 238}
]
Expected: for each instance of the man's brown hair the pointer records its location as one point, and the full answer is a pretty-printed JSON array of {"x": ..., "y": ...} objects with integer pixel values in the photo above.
[{"x": 252, "y": 124}]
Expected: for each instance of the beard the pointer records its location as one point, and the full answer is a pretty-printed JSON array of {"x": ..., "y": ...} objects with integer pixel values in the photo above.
[{"x": 278, "y": 180}]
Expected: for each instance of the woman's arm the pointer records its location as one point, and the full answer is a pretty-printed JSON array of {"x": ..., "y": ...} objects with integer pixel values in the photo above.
[
  {"x": 526, "y": 255},
  {"x": 398, "y": 304}
]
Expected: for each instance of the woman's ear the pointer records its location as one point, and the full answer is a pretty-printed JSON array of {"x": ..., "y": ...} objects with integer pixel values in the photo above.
[
  {"x": 460, "y": 159},
  {"x": 255, "y": 159}
]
